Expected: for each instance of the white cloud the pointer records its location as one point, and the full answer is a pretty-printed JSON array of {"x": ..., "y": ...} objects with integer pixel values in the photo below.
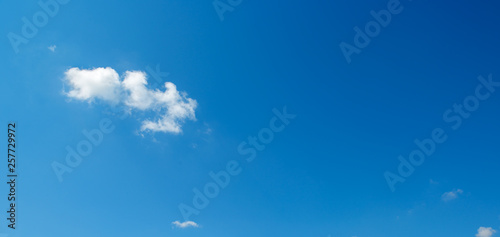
[
  {"x": 178, "y": 108},
  {"x": 185, "y": 224},
  {"x": 170, "y": 106},
  {"x": 448, "y": 196},
  {"x": 100, "y": 83},
  {"x": 485, "y": 232},
  {"x": 139, "y": 97},
  {"x": 52, "y": 48}
]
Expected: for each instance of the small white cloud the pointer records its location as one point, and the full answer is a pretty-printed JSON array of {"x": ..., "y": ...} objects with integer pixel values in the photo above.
[
  {"x": 485, "y": 232},
  {"x": 52, "y": 48},
  {"x": 139, "y": 97},
  {"x": 171, "y": 107},
  {"x": 178, "y": 108},
  {"x": 99, "y": 83},
  {"x": 448, "y": 196},
  {"x": 185, "y": 224}
]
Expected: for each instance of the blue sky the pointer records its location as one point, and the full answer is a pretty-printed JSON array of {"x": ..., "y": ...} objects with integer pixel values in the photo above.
[{"x": 322, "y": 175}]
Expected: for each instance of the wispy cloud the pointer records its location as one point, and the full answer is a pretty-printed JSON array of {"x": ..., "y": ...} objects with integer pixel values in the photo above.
[
  {"x": 52, "y": 48},
  {"x": 485, "y": 232},
  {"x": 171, "y": 107},
  {"x": 448, "y": 196},
  {"x": 185, "y": 224}
]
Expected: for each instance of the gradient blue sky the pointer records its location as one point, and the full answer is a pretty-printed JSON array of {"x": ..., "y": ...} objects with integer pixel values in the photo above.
[{"x": 322, "y": 176}]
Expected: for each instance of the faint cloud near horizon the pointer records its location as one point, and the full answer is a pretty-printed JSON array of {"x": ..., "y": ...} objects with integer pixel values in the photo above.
[
  {"x": 448, "y": 196},
  {"x": 185, "y": 224}
]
